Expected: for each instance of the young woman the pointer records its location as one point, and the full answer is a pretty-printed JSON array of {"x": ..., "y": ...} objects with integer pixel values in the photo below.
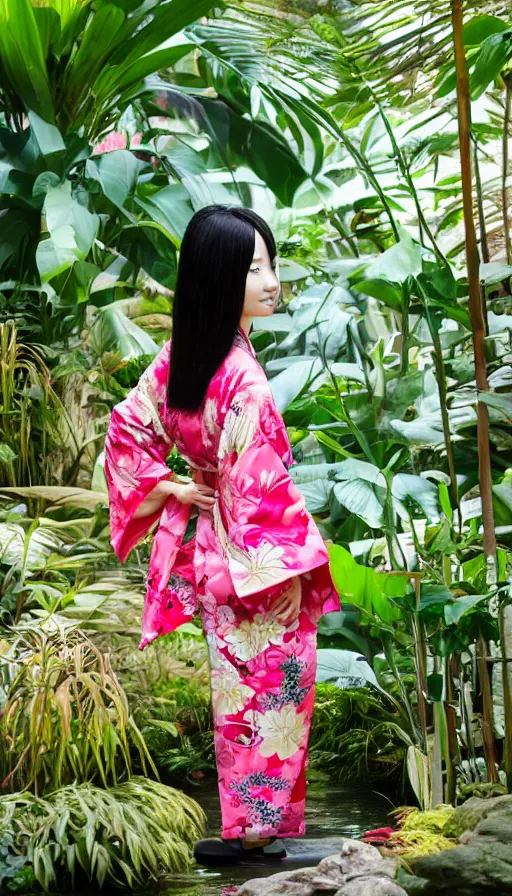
[{"x": 257, "y": 569}]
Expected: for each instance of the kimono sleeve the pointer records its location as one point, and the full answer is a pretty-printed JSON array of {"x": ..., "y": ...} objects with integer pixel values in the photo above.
[
  {"x": 261, "y": 520},
  {"x": 136, "y": 446}
]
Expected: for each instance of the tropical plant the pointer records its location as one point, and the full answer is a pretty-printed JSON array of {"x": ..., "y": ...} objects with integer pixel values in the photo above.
[
  {"x": 120, "y": 836},
  {"x": 64, "y": 714},
  {"x": 357, "y": 735}
]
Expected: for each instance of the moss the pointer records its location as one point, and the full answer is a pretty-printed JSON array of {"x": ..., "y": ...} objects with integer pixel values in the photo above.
[
  {"x": 467, "y": 816},
  {"x": 433, "y": 821},
  {"x": 414, "y": 844}
]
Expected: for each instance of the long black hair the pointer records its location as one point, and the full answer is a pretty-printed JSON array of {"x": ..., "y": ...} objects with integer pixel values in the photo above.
[{"x": 215, "y": 256}]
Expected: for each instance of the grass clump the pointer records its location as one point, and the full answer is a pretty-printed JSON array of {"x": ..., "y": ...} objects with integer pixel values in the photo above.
[
  {"x": 123, "y": 836},
  {"x": 423, "y": 833}
]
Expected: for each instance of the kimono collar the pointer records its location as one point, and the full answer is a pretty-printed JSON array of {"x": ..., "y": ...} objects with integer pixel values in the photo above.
[{"x": 242, "y": 340}]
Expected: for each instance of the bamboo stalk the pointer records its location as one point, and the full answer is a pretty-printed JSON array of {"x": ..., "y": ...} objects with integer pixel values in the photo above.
[
  {"x": 476, "y": 314},
  {"x": 484, "y": 243},
  {"x": 486, "y": 723},
  {"x": 420, "y": 663},
  {"x": 475, "y": 298},
  {"x": 507, "y": 695},
  {"x": 504, "y": 174}
]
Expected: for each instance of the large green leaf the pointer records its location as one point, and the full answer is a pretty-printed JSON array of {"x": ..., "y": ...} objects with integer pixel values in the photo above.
[
  {"x": 22, "y": 57},
  {"x": 150, "y": 249},
  {"x": 116, "y": 172},
  {"x": 58, "y": 495},
  {"x": 360, "y": 488},
  {"x": 72, "y": 229},
  {"x": 169, "y": 207},
  {"x": 401, "y": 261},
  {"x": 290, "y": 382},
  {"x": 409, "y": 489},
  {"x": 381, "y": 289},
  {"x": 453, "y": 612},
  {"x": 101, "y": 37},
  {"x": 168, "y": 17},
  {"x": 48, "y": 137},
  {"x": 117, "y": 79},
  {"x": 315, "y": 482},
  {"x": 118, "y": 333},
  {"x": 499, "y": 401},
  {"x": 362, "y": 586},
  {"x": 269, "y": 155},
  {"x": 495, "y": 51},
  {"x": 477, "y": 29}
]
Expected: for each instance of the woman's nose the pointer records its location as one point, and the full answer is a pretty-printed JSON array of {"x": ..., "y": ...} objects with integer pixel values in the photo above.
[{"x": 272, "y": 283}]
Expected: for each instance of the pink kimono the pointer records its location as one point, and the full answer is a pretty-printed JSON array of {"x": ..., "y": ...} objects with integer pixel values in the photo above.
[{"x": 259, "y": 541}]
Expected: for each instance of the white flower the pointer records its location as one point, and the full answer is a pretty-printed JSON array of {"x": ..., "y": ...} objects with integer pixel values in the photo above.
[
  {"x": 240, "y": 424},
  {"x": 229, "y": 695},
  {"x": 256, "y": 568},
  {"x": 268, "y": 479},
  {"x": 252, "y": 637},
  {"x": 146, "y": 403},
  {"x": 283, "y": 731},
  {"x": 210, "y": 415}
]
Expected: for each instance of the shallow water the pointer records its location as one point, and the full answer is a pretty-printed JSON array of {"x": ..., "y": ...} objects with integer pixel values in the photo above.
[{"x": 332, "y": 813}]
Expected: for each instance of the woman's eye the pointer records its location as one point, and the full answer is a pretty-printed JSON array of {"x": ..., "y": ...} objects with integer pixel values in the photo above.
[{"x": 255, "y": 270}]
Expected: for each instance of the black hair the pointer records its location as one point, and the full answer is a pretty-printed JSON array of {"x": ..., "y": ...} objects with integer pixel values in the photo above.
[{"x": 215, "y": 257}]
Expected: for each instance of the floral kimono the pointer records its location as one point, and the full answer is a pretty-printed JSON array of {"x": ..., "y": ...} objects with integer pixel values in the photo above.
[{"x": 259, "y": 541}]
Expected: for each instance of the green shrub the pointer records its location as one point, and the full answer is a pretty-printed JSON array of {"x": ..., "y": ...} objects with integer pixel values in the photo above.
[
  {"x": 123, "y": 835},
  {"x": 65, "y": 717},
  {"x": 355, "y": 737}
]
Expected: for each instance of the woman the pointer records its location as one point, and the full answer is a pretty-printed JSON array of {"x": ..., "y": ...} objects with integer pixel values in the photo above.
[{"x": 257, "y": 568}]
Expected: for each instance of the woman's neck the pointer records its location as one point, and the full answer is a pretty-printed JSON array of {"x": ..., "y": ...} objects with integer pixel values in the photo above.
[{"x": 245, "y": 325}]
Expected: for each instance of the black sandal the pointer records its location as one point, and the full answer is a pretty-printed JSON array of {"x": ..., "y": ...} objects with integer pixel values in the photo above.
[{"x": 229, "y": 852}]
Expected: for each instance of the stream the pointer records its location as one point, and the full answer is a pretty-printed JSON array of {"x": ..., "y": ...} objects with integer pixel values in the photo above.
[{"x": 332, "y": 812}]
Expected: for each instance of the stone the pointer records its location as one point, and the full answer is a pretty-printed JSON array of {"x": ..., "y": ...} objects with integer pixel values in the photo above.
[
  {"x": 298, "y": 883},
  {"x": 357, "y": 870},
  {"x": 497, "y": 825},
  {"x": 355, "y": 859},
  {"x": 484, "y": 864},
  {"x": 467, "y": 816},
  {"x": 371, "y": 886}
]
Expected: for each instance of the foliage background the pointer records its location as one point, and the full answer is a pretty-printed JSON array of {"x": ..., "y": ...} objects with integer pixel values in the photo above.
[{"x": 339, "y": 124}]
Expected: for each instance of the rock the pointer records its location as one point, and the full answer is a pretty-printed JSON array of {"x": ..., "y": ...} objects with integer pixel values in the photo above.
[
  {"x": 497, "y": 825},
  {"x": 371, "y": 886},
  {"x": 280, "y": 883},
  {"x": 357, "y": 870},
  {"x": 355, "y": 859},
  {"x": 467, "y": 816},
  {"x": 483, "y": 865}
]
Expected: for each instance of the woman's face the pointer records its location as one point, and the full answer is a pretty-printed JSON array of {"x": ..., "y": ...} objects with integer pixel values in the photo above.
[{"x": 262, "y": 284}]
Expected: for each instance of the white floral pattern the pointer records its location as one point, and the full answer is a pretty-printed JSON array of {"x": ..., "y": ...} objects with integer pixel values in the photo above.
[
  {"x": 240, "y": 424},
  {"x": 283, "y": 731},
  {"x": 257, "y": 568},
  {"x": 252, "y": 637},
  {"x": 229, "y": 695}
]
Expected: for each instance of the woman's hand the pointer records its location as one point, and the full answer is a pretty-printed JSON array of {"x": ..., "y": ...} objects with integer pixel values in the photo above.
[
  {"x": 185, "y": 492},
  {"x": 287, "y": 607},
  {"x": 196, "y": 493}
]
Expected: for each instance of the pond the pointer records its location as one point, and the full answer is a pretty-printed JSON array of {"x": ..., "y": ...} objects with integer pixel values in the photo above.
[{"x": 332, "y": 812}]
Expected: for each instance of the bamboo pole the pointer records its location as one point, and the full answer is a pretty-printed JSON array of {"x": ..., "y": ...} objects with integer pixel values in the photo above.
[
  {"x": 476, "y": 313},
  {"x": 504, "y": 174},
  {"x": 475, "y": 299},
  {"x": 486, "y": 720}
]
